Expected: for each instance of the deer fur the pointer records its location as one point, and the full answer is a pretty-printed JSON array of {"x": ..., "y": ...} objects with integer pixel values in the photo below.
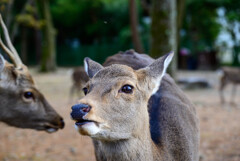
[
  {"x": 156, "y": 122},
  {"x": 79, "y": 79},
  {"x": 21, "y": 103},
  {"x": 229, "y": 75}
]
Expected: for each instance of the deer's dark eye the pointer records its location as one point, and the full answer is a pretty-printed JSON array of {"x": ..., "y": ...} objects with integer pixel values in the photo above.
[
  {"x": 28, "y": 95},
  {"x": 127, "y": 89},
  {"x": 85, "y": 90}
]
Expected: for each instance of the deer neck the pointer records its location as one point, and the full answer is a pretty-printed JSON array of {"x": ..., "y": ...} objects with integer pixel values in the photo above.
[
  {"x": 138, "y": 147},
  {"x": 4, "y": 103},
  {"x": 2, "y": 99}
]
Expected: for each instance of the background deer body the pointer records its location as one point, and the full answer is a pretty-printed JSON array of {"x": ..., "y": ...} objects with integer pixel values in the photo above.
[
  {"x": 127, "y": 122},
  {"x": 229, "y": 75},
  {"x": 79, "y": 79},
  {"x": 21, "y": 104}
]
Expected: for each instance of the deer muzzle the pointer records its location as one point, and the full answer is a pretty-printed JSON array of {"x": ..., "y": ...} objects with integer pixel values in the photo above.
[{"x": 78, "y": 113}]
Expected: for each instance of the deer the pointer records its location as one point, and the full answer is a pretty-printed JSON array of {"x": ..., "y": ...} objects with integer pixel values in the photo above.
[
  {"x": 79, "y": 79},
  {"x": 229, "y": 75},
  {"x": 136, "y": 112},
  {"x": 22, "y": 104}
]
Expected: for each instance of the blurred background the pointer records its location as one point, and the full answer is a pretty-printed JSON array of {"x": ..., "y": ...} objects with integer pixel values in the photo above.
[
  {"x": 55, "y": 35},
  {"x": 50, "y": 33}
]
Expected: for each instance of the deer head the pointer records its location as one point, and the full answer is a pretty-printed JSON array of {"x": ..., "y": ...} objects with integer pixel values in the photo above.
[
  {"x": 22, "y": 105},
  {"x": 115, "y": 105}
]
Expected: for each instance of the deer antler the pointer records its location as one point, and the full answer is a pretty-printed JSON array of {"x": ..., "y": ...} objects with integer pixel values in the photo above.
[{"x": 9, "y": 49}]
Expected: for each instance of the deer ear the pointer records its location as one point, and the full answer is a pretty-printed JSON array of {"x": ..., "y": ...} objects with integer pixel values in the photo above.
[
  {"x": 2, "y": 63},
  {"x": 91, "y": 67},
  {"x": 155, "y": 71}
]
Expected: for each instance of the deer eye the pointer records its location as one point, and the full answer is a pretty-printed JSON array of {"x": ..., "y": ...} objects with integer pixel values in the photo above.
[
  {"x": 85, "y": 90},
  {"x": 127, "y": 89},
  {"x": 28, "y": 95}
]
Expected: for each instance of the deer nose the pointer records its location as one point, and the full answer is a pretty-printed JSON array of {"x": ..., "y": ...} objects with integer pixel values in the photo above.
[
  {"x": 79, "y": 110},
  {"x": 62, "y": 124}
]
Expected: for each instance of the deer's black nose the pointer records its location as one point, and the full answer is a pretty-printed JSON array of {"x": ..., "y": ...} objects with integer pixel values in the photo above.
[{"x": 79, "y": 110}]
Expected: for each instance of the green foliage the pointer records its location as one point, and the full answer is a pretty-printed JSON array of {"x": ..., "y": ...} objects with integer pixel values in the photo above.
[
  {"x": 28, "y": 20},
  {"x": 232, "y": 14},
  {"x": 232, "y": 9},
  {"x": 101, "y": 28},
  {"x": 4, "y": 1},
  {"x": 3, "y": 4},
  {"x": 69, "y": 56},
  {"x": 90, "y": 21},
  {"x": 200, "y": 25}
]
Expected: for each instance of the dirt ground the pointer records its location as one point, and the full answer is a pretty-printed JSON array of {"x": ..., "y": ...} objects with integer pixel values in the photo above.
[{"x": 220, "y": 128}]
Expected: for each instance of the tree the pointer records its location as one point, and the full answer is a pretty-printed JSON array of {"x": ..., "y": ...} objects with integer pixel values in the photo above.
[
  {"x": 26, "y": 20},
  {"x": 21, "y": 16},
  {"x": 48, "y": 58},
  {"x": 180, "y": 14},
  {"x": 134, "y": 26},
  {"x": 7, "y": 12},
  {"x": 105, "y": 22},
  {"x": 232, "y": 12},
  {"x": 200, "y": 26},
  {"x": 163, "y": 29}
]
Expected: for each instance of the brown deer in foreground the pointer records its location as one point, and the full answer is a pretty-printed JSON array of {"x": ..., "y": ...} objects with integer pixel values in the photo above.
[
  {"x": 229, "y": 75},
  {"x": 21, "y": 103},
  {"x": 80, "y": 78},
  {"x": 137, "y": 114}
]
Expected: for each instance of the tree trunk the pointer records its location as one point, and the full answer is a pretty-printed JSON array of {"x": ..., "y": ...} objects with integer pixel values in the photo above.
[
  {"x": 134, "y": 26},
  {"x": 235, "y": 55},
  {"x": 180, "y": 13},
  {"x": 163, "y": 30},
  {"x": 38, "y": 45},
  {"x": 37, "y": 36},
  {"x": 24, "y": 44},
  {"x": 236, "y": 48},
  {"x": 16, "y": 24},
  {"x": 8, "y": 13},
  {"x": 48, "y": 62}
]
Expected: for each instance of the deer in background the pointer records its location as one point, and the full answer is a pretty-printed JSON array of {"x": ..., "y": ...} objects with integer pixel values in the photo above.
[
  {"x": 229, "y": 75},
  {"x": 136, "y": 114},
  {"x": 79, "y": 79},
  {"x": 22, "y": 105}
]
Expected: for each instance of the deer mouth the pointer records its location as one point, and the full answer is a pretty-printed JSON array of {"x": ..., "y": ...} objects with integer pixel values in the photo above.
[
  {"x": 49, "y": 126},
  {"x": 82, "y": 122},
  {"x": 46, "y": 127},
  {"x": 51, "y": 129}
]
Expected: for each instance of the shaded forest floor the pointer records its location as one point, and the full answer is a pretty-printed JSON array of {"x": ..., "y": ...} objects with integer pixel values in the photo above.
[{"x": 220, "y": 125}]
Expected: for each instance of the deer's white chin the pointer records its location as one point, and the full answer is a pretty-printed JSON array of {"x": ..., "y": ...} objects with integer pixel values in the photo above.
[
  {"x": 51, "y": 130},
  {"x": 89, "y": 129}
]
